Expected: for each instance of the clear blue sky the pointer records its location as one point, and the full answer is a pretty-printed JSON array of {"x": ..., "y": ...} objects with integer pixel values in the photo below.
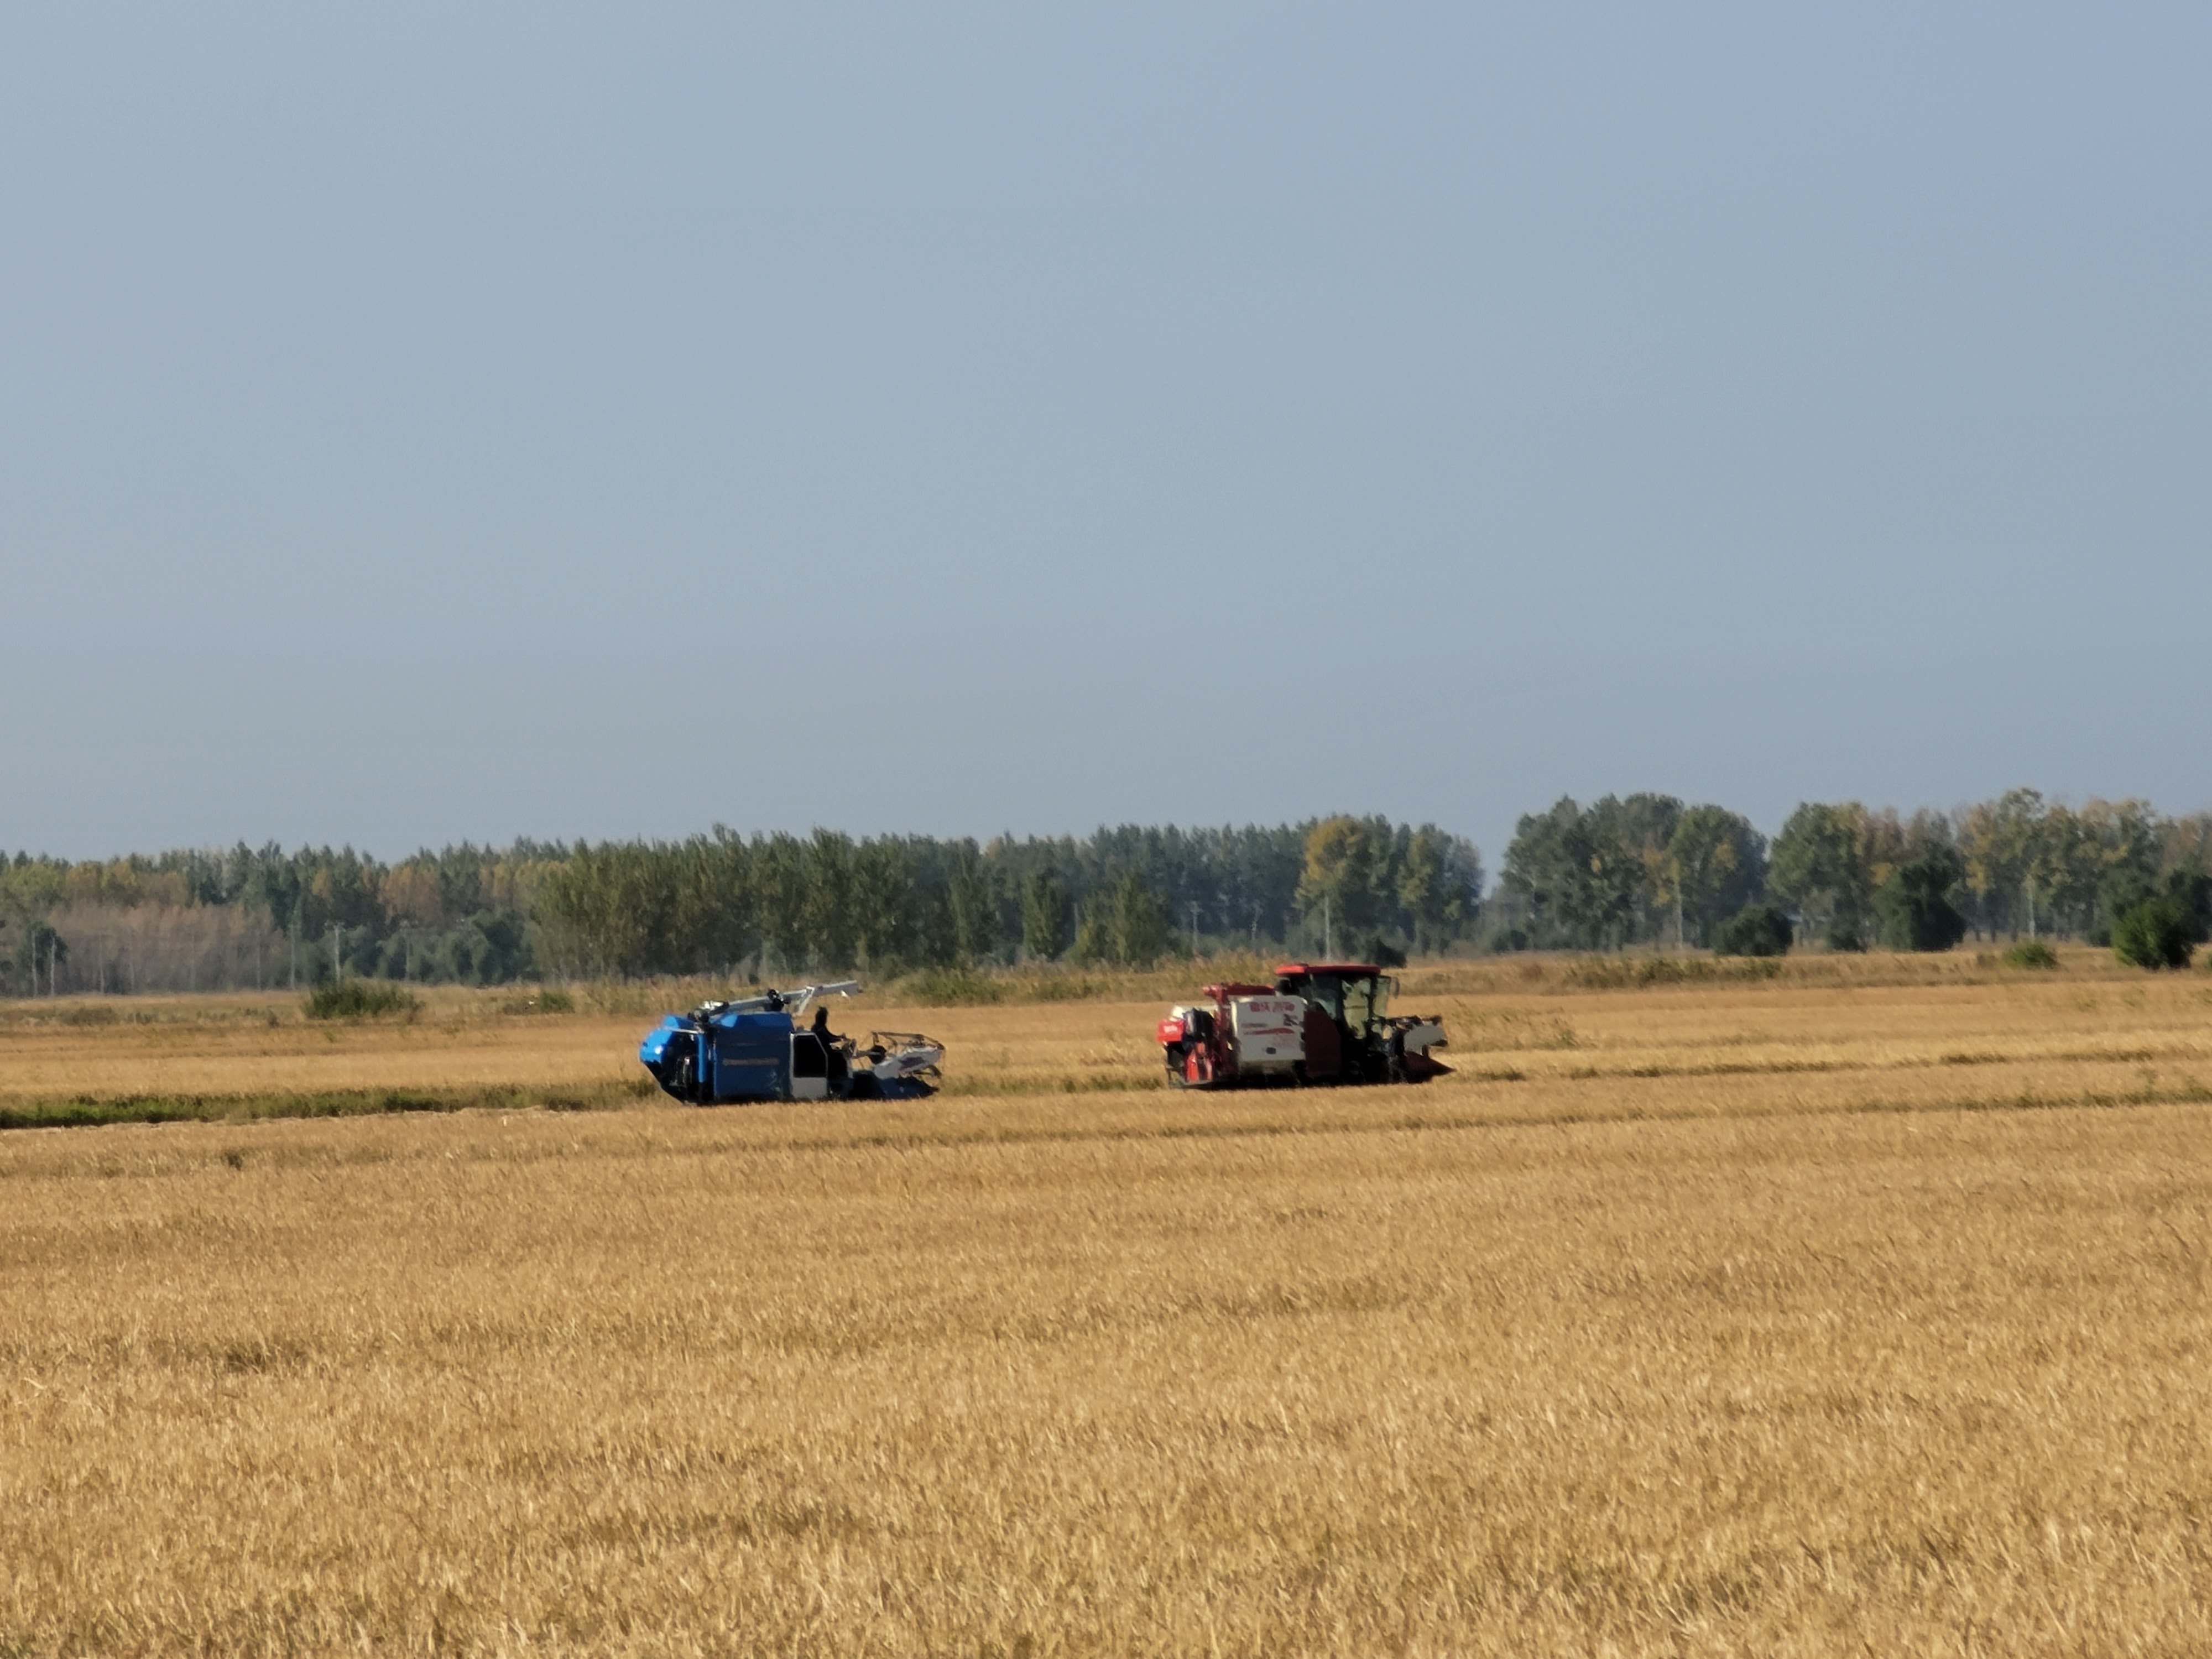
[{"x": 420, "y": 422}]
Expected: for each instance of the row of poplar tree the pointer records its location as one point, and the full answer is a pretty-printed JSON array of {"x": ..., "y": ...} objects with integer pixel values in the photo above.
[
  {"x": 765, "y": 904},
  {"x": 1128, "y": 896},
  {"x": 1640, "y": 869}
]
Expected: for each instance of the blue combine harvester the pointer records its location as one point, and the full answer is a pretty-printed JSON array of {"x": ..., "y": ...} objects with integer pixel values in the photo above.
[{"x": 754, "y": 1049}]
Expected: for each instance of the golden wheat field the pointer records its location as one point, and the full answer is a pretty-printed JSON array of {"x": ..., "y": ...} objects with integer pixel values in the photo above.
[{"x": 1856, "y": 1310}]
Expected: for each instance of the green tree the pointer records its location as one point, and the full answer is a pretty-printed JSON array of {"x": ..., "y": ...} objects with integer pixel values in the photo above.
[
  {"x": 2001, "y": 841},
  {"x": 780, "y": 884},
  {"x": 1915, "y": 904},
  {"x": 613, "y": 906},
  {"x": 1818, "y": 868},
  {"x": 1757, "y": 930},
  {"x": 1439, "y": 886},
  {"x": 1548, "y": 863},
  {"x": 1717, "y": 865},
  {"x": 1044, "y": 916},
  {"x": 882, "y": 891},
  {"x": 2157, "y": 933},
  {"x": 2186, "y": 841},
  {"x": 1592, "y": 878},
  {"x": 2064, "y": 873},
  {"x": 2161, "y": 928},
  {"x": 1138, "y": 929},
  {"x": 2190, "y": 891},
  {"x": 715, "y": 883},
  {"x": 38, "y": 949},
  {"x": 832, "y": 919},
  {"x": 937, "y": 943},
  {"x": 974, "y": 907},
  {"x": 1093, "y": 931},
  {"x": 1629, "y": 838},
  {"x": 2123, "y": 851},
  {"x": 2123, "y": 888}
]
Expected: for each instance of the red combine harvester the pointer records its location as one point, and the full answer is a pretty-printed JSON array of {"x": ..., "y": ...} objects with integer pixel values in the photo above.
[{"x": 1319, "y": 1022}]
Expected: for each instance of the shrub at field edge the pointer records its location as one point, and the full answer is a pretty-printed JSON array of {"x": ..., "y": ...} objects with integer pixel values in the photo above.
[
  {"x": 1757, "y": 930},
  {"x": 2156, "y": 934},
  {"x": 361, "y": 999}
]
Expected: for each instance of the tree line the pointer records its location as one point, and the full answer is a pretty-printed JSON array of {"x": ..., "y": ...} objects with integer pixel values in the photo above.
[
  {"x": 786, "y": 904},
  {"x": 1641, "y": 870},
  {"x": 763, "y": 905},
  {"x": 202, "y": 919},
  {"x": 1646, "y": 868}
]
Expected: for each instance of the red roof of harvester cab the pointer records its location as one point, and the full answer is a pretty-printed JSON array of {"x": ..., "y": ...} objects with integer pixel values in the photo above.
[{"x": 1326, "y": 968}]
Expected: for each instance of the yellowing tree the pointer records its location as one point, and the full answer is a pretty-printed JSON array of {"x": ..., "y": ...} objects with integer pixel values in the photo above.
[{"x": 1338, "y": 880}]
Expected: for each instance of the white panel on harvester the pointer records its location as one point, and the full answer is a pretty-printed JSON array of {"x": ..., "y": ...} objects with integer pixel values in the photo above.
[{"x": 1270, "y": 1031}]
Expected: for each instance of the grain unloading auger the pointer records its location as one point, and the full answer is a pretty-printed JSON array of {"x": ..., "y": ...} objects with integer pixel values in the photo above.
[
  {"x": 1319, "y": 1022},
  {"x": 754, "y": 1049}
]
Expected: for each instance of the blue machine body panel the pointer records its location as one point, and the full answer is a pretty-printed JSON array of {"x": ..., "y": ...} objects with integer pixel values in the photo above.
[
  {"x": 750, "y": 1057},
  {"x": 733, "y": 1055},
  {"x": 654, "y": 1048}
]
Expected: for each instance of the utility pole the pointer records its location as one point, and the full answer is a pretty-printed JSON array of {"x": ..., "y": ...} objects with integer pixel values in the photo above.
[
  {"x": 338, "y": 959},
  {"x": 1194, "y": 929},
  {"x": 1327, "y": 931}
]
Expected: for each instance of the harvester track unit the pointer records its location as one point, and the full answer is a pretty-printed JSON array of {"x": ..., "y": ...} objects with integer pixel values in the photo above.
[
  {"x": 1319, "y": 1022},
  {"x": 754, "y": 1049}
]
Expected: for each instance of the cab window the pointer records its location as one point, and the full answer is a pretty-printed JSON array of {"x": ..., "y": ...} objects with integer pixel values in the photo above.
[
  {"x": 1326, "y": 992},
  {"x": 1358, "y": 1003}
]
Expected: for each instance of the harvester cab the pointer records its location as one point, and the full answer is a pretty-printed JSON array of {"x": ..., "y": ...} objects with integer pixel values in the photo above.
[
  {"x": 754, "y": 1049},
  {"x": 1319, "y": 1022}
]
